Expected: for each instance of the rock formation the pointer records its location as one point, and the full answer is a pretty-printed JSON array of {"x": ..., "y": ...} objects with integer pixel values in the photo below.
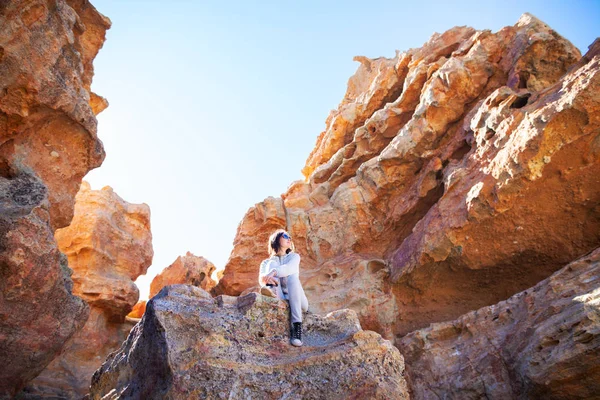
[
  {"x": 48, "y": 143},
  {"x": 138, "y": 310},
  {"x": 108, "y": 245},
  {"x": 189, "y": 345},
  {"x": 450, "y": 178},
  {"x": 543, "y": 343},
  {"x": 188, "y": 270}
]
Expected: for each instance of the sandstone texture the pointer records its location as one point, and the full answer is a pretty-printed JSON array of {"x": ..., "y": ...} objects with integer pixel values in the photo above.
[
  {"x": 69, "y": 375},
  {"x": 187, "y": 270},
  {"x": 190, "y": 345},
  {"x": 451, "y": 177},
  {"x": 543, "y": 343},
  {"x": 108, "y": 245},
  {"x": 48, "y": 143}
]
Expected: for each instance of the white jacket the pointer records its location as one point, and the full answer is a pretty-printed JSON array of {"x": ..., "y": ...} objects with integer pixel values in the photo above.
[{"x": 284, "y": 266}]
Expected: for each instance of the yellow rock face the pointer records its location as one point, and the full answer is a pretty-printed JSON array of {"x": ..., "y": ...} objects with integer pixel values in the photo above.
[{"x": 108, "y": 244}]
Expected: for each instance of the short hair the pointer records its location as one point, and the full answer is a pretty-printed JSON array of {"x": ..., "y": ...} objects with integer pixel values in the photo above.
[{"x": 273, "y": 245}]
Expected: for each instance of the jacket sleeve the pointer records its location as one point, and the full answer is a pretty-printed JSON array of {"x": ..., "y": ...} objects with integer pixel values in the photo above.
[
  {"x": 289, "y": 268},
  {"x": 264, "y": 270}
]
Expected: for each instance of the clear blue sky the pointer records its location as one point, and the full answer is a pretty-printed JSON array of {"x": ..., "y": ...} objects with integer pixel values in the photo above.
[{"x": 216, "y": 105}]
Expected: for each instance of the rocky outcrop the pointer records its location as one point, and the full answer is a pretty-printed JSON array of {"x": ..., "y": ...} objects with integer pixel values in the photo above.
[
  {"x": 467, "y": 177},
  {"x": 108, "y": 245},
  {"x": 543, "y": 343},
  {"x": 186, "y": 270},
  {"x": 48, "y": 143},
  {"x": 190, "y": 345}
]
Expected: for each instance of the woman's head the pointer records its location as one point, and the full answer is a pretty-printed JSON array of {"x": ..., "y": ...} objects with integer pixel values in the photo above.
[{"x": 280, "y": 240}]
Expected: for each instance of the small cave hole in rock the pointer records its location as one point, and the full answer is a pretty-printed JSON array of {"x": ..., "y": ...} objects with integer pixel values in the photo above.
[
  {"x": 375, "y": 266},
  {"x": 523, "y": 78},
  {"x": 521, "y": 101},
  {"x": 461, "y": 151},
  {"x": 5, "y": 170}
]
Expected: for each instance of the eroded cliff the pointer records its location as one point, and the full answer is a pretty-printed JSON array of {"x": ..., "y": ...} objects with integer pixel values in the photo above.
[
  {"x": 450, "y": 178},
  {"x": 48, "y": 143}
]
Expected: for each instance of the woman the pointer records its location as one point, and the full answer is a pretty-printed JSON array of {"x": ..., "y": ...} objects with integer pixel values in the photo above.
[{"x": 282, "y": 272}]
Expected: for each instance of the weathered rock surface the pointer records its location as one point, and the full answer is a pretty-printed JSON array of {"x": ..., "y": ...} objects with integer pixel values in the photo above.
[
  {"x": 108, "y": 245},
  {"x": 470, "y": 176},
  {"x": 186, "y": 270},
  {"x": 356, "y": 282},
  {"x": 189, "y": 345},
  {"x": 69, "y": 375},
  {"x": 48, "y": 143},
  {"x": 47, "y": 122},
  {"x": 543, "y": 343},
  {"x": 38, "y": 313}
]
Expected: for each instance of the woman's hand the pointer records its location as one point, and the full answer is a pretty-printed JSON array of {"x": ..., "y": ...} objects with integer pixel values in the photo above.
[{"x": 270, "y": 279}]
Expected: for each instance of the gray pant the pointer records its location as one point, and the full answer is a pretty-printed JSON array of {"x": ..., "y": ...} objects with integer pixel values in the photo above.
[{"x": 296, "y": 297}]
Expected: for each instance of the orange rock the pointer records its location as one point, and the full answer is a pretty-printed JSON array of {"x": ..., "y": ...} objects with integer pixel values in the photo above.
[
  {"x": 138, "y": 310},
  {"x": 108, "y": 245},
  {"x": 187, "y": 270},
  {"x": 48, "y": 124},
  {"x": 476, "y": 181},
  {"x": 48, "y": 142}
]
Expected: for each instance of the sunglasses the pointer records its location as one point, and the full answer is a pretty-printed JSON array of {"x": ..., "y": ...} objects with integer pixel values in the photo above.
[{"x": 286, "y": 236}]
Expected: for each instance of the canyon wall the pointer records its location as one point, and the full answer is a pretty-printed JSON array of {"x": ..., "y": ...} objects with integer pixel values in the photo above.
[
  {"x": 451, "y": 177},
  {"x": 48, "y": 142}
]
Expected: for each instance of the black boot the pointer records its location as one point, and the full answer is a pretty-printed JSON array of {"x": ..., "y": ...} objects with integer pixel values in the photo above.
[{"x": 297, "y": 334}]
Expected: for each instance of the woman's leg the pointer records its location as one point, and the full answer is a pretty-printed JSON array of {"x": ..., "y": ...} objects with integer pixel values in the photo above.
[{"x": 297, "y": 298}]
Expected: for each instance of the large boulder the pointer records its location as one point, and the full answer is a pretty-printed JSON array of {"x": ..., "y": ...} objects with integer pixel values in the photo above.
[
  {"x": 108, "y": 245},
  {"x": 475, "y": 180},
  {"x": 186, "y": 270},
  {"x": 543, "y": 343},
  {"x": 191, "y": 345},
  {"x": 48, "y": 143}
]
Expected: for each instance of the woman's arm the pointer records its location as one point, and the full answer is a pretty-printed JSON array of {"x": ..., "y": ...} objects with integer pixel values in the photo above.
[
  {"x": 289, "y": 268},
  {"x": 263, "y": 271}
]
